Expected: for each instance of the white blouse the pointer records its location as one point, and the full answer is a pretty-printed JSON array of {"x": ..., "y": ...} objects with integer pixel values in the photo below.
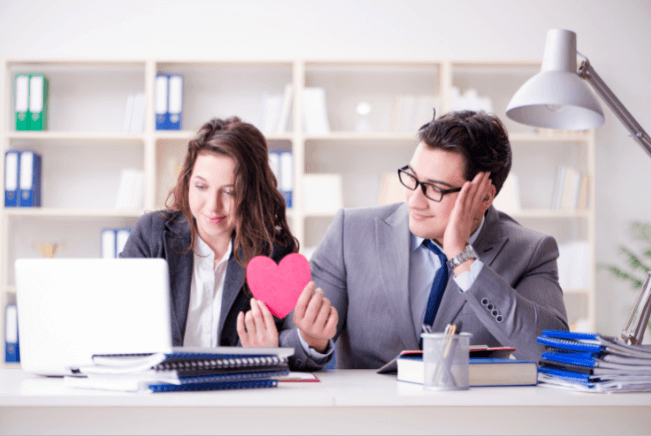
[{"x": 206, "y": 292}]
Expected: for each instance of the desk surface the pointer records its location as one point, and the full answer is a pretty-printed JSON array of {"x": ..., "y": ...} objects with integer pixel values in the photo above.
[{"x": 357, "y": 401}]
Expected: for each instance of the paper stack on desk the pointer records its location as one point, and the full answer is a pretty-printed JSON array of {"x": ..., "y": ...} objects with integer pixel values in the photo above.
[
  {"x": 225, "y": 368},
  {"x": 593, "y": 363}
]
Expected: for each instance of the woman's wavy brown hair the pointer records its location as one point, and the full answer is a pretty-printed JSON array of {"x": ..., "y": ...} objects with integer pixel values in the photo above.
[{"x": 260, "y": 219}]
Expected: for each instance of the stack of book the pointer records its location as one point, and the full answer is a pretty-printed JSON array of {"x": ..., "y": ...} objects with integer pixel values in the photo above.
[
  {"x": 221, "y": 368},
  {"x": 594, "y": 363},
  {"x": 487, "y": 367}
]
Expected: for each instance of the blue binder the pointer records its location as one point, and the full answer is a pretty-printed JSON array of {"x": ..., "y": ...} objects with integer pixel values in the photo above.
[
  {"x": 175, "y": 102},
  {"x": 12, "y": 169},
  {"x": 12, "y": 349},
  {"x": 29, "y": 186},
  {"x": 286, "y": 180},
  {"x": 160, "y": 105}
]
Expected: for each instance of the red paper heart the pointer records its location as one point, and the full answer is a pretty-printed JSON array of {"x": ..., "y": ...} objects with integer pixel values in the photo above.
[{"x": 278, "y": 286}]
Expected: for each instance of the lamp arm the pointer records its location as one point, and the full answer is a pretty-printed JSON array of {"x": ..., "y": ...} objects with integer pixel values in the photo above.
[{"x": 588, "y": 73}]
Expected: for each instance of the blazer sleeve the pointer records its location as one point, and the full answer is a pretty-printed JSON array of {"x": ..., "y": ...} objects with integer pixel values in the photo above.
[
  {"x": 515, "y": 310},
  {"x": 140, "y": 240}
]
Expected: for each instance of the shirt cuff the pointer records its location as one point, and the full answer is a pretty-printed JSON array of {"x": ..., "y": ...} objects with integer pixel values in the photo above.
[
  {"x": 315, "y": 355},
  {"x": 467, "y": 278}
]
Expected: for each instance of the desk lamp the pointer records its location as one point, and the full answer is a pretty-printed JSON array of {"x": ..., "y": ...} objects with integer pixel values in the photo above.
[{"x": 557, "y": 98}]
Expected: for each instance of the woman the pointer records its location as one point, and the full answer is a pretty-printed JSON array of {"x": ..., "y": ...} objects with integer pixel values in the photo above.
[{"x": 224, "y": 210}]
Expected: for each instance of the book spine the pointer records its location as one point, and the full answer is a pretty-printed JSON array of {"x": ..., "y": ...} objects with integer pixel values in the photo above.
[{"x": 244, "y": 384}]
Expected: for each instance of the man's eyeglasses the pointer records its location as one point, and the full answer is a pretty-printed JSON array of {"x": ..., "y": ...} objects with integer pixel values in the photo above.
[{"x": 430, "y": 190}]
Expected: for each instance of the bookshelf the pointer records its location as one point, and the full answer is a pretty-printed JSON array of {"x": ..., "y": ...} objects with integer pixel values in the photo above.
[{"x": 85, "y": 148}]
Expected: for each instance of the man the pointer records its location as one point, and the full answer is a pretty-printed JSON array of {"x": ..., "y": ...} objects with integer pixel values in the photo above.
[{"x": 381, "y": 270}]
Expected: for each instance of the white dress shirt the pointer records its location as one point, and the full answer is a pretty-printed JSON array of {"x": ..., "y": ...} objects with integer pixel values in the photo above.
[
  {"x": 206, "y": 292},
  {"x": 423, "y": 265}
]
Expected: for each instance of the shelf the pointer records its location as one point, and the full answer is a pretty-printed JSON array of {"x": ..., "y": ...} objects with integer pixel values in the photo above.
[
  {"x": 364, "y": 136},
  {"x": 71, "y": 213},
  {"x": 551, "y": 135},
  {"x": 75, "y": 136},
  {"x": 187, "y": 135},
  {"x": 549, "y": 213}
]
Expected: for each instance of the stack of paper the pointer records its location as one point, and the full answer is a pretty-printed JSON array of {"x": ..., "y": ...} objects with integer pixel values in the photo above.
[
  {"x": 410, "y": 112},
  {"x": 594, "y": 363},
  {"x": 206, "y": 369}
]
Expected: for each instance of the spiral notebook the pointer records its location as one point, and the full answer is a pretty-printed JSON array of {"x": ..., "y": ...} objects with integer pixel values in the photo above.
[{"x": 224, "y": 368}]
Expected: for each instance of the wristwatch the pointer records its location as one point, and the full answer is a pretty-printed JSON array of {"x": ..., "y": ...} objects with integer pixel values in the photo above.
[{"x": 467, "y": 253}]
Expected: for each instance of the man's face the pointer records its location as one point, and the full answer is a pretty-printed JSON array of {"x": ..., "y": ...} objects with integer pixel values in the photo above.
[{"x": 428, "y": 218}]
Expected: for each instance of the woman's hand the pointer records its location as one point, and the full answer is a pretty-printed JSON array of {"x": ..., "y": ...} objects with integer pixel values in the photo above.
[
  {"x": 256, "y": 328},
  {"x": 315, "y": 318}
]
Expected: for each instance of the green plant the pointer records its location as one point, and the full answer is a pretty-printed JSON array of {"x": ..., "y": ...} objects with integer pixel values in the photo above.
[{"x": 638, "y": 263}]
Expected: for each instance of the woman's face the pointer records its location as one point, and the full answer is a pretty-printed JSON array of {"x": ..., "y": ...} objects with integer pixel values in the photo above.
[{"x": 212, "y": 196}]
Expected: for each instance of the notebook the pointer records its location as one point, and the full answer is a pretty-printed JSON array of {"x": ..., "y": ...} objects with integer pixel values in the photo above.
[{"x": 72, "y": 309}]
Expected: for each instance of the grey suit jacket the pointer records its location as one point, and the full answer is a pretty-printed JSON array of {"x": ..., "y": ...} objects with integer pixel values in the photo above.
[
  {"x": 167, "y": 235},
  {"x": 362, "y": 265}
]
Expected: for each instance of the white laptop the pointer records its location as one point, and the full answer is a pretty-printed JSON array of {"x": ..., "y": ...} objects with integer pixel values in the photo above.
[{"x": 71, "y": 309}]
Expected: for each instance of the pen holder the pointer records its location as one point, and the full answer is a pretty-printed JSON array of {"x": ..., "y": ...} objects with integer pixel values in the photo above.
[{"x": 446, "y": 360}]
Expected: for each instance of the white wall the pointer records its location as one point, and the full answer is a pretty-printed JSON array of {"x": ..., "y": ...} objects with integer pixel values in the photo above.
[{"x": 614, "y": 35}]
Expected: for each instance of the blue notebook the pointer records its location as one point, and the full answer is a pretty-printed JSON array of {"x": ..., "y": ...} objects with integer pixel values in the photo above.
[{"x": 245, "y": 384}]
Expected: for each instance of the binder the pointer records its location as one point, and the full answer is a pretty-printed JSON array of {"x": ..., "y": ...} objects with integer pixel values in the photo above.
[
  {"x": 12, "y": 349},
  {"x": 175, "y": 101},
  {"x": 160, "y": 105},
  {"x": 38, "y": 101},
  {"x": 12, "y": 168},
  {"x": 286, "y": 182},
  {"x": 108, "y": 244},
  {"x": 121, "y": 236},
  {"x": 29, "y": 187},
  {"x": 21, "y": 103}
]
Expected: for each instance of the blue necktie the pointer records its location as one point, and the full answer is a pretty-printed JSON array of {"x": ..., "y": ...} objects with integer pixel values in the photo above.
[{"x": 438, "y": 284}]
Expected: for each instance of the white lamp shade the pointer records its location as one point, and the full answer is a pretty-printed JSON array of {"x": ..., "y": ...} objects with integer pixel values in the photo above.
[{"x": 557, "y": 97}]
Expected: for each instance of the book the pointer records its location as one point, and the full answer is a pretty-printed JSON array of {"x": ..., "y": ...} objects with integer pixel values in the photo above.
[
  {"x": 29, "y": 176},
  {"x": 113, "y": 241},
  {"x": 508, "y": 199},
  {"x": 38, "y": 102},
  {"x": 21, "y": 102},
  {"x": 160, "y": 101},
  {"x": 286, "y": 109},
  {"x": 12, "y": 168},
  {"x": 315, "y": 113},
  {"x": 482, "y": 371},
  {"x": 175, "y": 102},
  {"x": 226, "y": 368},
  {"x": 474, "y": 351},
  {"x": 593, "y": 362},
  {"x": 286, "y": 181},
  {"x": 12, "y": 348}
]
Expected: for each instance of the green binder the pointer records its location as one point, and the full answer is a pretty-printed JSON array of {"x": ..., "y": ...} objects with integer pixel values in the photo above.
[
  {"x": 38, "y": 101},
  {"x": 21, "y": 102}
]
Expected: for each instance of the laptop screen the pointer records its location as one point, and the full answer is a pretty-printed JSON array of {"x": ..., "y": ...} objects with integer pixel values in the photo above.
[{"x": 70, "y": 309}]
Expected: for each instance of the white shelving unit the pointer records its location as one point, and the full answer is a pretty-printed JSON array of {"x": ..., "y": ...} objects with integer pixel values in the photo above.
[{"x": 84, "y": 149}]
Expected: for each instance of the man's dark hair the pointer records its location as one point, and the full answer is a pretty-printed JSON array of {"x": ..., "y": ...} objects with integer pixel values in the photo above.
[{"x": 479, "y": 137}]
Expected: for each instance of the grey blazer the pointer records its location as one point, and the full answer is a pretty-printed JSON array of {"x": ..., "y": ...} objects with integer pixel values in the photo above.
[
  {"x": 167, "y": 235},
  {"x": 362, "y": 265}
]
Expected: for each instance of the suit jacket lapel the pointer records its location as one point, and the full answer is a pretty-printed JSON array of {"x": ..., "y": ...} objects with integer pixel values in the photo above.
[
  {"x": 392, "y": 251},
  {"x": 232, "y": 286},
  {"x": 180, "y": 262},
  {"x": 488, "y": 244}
]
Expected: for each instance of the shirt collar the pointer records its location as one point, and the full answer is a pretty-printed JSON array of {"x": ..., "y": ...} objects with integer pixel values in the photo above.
[
  {"x": 204, "y": 250},
  {"x": 417, "y": 241}
]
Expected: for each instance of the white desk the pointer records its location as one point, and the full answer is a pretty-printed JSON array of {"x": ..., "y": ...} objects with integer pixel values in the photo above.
[{"x": 351, "y": 401}]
